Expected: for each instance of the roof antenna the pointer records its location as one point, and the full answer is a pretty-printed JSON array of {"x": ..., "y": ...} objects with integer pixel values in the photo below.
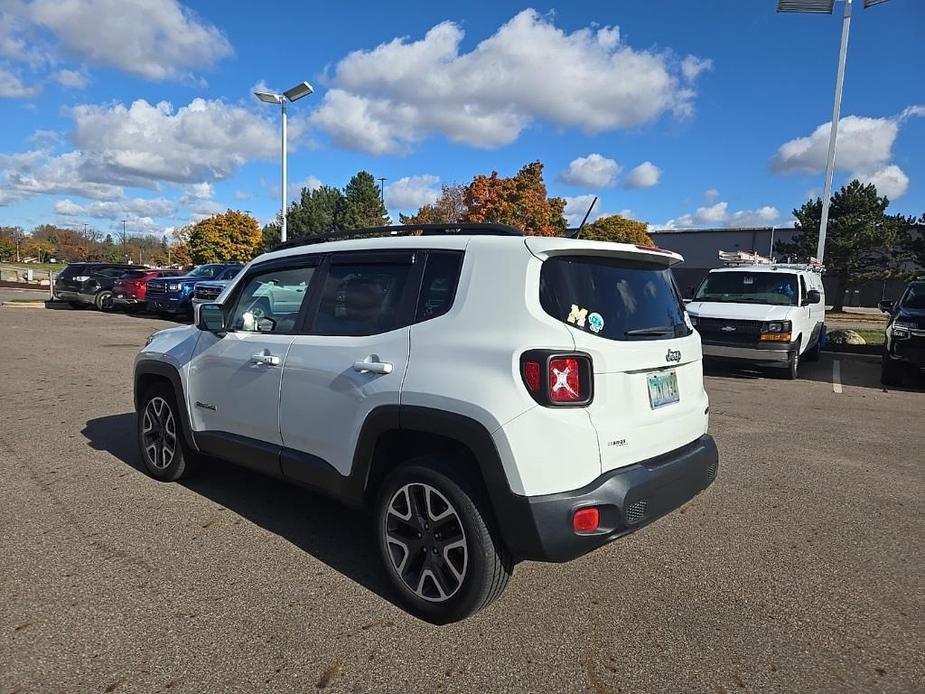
[{"x": 575, "y": 233}]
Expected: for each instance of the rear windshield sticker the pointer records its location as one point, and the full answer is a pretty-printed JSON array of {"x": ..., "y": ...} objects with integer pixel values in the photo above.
[
  {"x": 577, "y": 316},
  {"x": 596, "y": 322}
]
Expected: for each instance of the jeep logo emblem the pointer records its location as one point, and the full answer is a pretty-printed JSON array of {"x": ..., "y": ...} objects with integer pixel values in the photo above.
[{"x": 673, "y": 355}]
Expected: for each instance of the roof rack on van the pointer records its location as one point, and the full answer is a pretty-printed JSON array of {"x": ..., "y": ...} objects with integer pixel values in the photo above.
[
  {"x": 813, "y": 265},
  {"x": 736, "y": 258},
  {"x": 462, "y": 228}
]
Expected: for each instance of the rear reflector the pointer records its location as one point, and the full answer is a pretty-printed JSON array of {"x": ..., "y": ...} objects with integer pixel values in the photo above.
[
  {"x": 564, "y": 380},
  {"x": 586, "y": 520}
]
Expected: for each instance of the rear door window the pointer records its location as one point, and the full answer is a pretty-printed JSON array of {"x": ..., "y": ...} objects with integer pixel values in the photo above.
[
  {"x": 363, "y": 297},
  {"x": 613, "y": 298}
]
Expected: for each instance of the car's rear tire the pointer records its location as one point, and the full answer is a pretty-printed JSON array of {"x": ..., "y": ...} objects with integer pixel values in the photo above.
[
  {"x": 161, "y": 443},
  {"x": 891, "y": 372},
  {"x": 103, "y": 301},
  {"x": 437, "y": 543}
]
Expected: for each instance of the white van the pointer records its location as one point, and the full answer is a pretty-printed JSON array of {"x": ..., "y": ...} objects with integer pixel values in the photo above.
[{"x": 770, "y": 314}]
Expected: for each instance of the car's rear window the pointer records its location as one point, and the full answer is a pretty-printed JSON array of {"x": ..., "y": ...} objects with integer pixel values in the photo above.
[
  {"x": 613, "y": 298},
  {"x": 73, "y": 270},
  {"x": 133, "y": 274}
]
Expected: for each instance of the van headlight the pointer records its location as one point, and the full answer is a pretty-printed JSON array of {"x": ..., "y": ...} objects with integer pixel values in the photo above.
[{"x": 776, "y": 331}]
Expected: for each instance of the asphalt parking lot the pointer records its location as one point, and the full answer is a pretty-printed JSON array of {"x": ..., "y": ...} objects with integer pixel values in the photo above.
[{"x": 800, "y": 569}]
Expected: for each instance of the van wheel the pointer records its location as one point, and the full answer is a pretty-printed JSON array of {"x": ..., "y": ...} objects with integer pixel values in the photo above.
[
  {"x": 161, "y": 441},
  {"x": 793, "y": 365},
  {"x": 438, "y": 548},
  {"x": 104, "y": 301}
]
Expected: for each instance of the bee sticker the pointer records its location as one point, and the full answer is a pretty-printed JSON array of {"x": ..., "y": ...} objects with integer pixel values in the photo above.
[
  {"x": 596, "y": 322},
  {"x": 577, "y": 316}
]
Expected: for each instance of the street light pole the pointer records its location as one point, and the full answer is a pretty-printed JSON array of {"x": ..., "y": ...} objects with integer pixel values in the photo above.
[
  {"x": 827, "y": 7},
  {"x": 283, "y": 193},
  {"x": 293, "y": 94},
  {"x": 833, "y": 133}
]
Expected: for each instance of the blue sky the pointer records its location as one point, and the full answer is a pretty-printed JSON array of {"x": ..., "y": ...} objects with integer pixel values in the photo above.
[{"x": 678, "y": 113}]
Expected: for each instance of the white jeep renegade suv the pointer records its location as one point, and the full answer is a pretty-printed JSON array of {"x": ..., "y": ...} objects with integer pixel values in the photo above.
[{"x": 491, "y": 397}]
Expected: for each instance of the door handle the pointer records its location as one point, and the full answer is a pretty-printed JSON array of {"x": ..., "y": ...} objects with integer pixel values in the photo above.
[
  {"x": 266, "y": 359},
  {"x": 375, "y": 367}
]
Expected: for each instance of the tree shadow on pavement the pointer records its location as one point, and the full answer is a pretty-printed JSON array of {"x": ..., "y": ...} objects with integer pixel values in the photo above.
[{"x": 340, "y": 537}]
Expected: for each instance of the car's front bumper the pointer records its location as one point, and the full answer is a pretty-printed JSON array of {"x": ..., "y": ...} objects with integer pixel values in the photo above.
[
  {"x": 170, "y": 304},
  {"x": 627, "y": 498},
  {"x": 910, "y": 351},
  {"x": 759, "y": 353}
]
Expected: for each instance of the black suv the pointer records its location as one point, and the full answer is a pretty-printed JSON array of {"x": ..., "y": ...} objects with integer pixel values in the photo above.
[
  {"x": 904, "y": 348},
  {"x": 89, "y": 284}
]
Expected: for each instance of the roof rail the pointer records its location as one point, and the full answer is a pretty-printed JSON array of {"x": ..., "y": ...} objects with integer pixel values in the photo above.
[{"x": 461, "y": 228}]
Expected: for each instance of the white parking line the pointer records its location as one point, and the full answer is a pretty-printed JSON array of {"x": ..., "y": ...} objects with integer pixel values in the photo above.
[{"x": 836, "y": 376}]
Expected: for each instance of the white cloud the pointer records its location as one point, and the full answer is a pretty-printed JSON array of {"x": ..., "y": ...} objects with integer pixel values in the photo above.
[
  {"x": 155, "y": 39},
  {"x": 692, "y": 67},
  {"x": 386, "y": 99},
  {"x": 864, "y": 148},
  {"x": 311, "y": 182},
  {"x": 117, "y": 210},
  {"x": 577, "y": 206},
  {"x": 718, "y": 215},
  {"x": 645, "y": 175},
  {"x": 205, "y": 140},
  {"x": 890, "y": 181},
  {"x": 412, "y": 192},
  {"x": 594, "y": 171},
  {"x": 72, "y": 79},
  {"x": 861, "y": 143},
  {"x": 38, "y": 172},
  {"x": 11, "y": 87},
  {"x": 710, "y": 195},
  {"x": 243, "y": 195}
]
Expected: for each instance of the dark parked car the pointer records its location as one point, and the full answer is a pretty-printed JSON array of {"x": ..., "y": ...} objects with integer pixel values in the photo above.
[
  {"x": 130, "y": 290},
  {"x": 89, "y": 284},
  {"x": 174, "y": 294},
  {"x": 904, "y": 348}
]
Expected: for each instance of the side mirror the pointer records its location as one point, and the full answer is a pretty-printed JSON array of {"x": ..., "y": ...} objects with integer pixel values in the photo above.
[
  {"x": 813, "y": 296},
  {"x": 886, "y": 306},
  {"x": 210, "y": 317}
]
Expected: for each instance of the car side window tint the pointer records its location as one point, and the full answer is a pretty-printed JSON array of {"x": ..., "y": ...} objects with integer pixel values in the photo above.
[
  {"x": 270, "y": 301},
  {"x": 361, "y": 299},
  {"x": 438, "y": 288}
]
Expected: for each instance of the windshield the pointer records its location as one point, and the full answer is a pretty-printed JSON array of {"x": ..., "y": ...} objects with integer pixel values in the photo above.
[
  {"x": 205, "y": 271},
  {"x": 613, "y": 299},
  {"x": 915, "y": 297},
  {"x": 750, "y": 288}
]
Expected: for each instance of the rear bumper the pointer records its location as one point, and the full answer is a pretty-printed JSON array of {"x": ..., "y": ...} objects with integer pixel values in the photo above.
[
  {"x": 779, "y": 353},
  {"x": 628, "y": 498},
  {"x": 122, "y": 300}
]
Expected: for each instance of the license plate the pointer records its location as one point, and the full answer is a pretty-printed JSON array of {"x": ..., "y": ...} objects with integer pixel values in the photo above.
[{"x": 663, "y": 389}]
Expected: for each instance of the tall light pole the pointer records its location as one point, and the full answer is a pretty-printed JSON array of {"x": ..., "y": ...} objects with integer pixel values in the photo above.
[
  {"x": 827, "y": 7},
  {"x": 382, "y": 180},
  {"x": 293, "y": 94}
]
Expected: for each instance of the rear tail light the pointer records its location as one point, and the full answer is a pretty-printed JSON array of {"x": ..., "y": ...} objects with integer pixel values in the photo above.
[{"x": 554, "y": 379}]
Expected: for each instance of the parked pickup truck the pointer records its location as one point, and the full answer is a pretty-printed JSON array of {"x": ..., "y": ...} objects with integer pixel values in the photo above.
[{"x": 173, "y": 295}]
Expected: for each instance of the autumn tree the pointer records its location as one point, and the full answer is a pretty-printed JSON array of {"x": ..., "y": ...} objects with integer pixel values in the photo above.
[
  {"x": 362, "y": 204},
  {"x": 224, "y": 237},
  {"x": 618, "y": 229},
  {"x": 448, "y": 208},
  {"x": 520, "y": 201},
  {"x": 858, "y": 236}
]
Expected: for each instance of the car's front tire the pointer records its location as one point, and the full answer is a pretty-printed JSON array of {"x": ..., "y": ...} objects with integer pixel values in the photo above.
[
  {"x": 891, "y": 372},
  {"x": 439, "y": 549},
  {"x": 792, "y": 371},
  {"x": 161, "y": 441}
]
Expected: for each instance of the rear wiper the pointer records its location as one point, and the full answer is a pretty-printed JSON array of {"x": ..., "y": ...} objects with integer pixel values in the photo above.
[{"x": 659, "y": 330}]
